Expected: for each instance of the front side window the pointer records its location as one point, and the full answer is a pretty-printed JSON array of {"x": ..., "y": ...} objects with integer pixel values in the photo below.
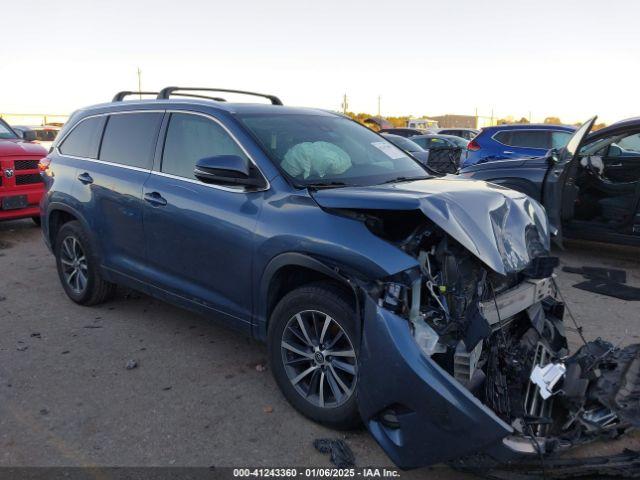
[
  {"x": 84, "y": 139},
  {"x": 5, "y": 131},
  {"x": 130, "y": 139},
  {"x": 191, "y": 138},
  {"x": 326, "y": 149}
]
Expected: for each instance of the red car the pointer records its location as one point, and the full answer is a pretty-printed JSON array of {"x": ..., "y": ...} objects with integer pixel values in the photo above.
[{"x": 21, "y": 186}]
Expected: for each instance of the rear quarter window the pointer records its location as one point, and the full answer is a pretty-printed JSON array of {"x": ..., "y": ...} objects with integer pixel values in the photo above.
[
  {"x": 84, "y": 139},
  {"x": 130, "y": 139}
]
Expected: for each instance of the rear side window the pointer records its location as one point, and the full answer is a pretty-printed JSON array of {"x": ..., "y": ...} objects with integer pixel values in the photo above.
[
  {"x": 191, "y": 138},
  {"x": 560, "y": 139},
  {"x": 525, "y": 138},
  {"x": 130, "y": 139},
  {"x": 84, "y": 139}
]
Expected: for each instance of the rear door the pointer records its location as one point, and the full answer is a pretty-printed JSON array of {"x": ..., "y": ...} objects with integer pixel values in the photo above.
[
  {"x": 110, "y": 187},
  {"x": 558, "y": 175}
]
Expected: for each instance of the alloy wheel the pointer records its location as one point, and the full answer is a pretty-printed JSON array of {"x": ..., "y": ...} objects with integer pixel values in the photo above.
[
  {"x": 319, "y": 359},
  {"x": 74, "y": 265}
]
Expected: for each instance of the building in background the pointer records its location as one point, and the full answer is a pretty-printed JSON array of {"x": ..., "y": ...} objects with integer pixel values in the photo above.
[{"x": 457, "y": 121}]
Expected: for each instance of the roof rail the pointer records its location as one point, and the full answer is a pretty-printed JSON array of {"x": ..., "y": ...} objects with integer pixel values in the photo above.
[
  {"x": 125, "y": 93},
  {"x": 193, "y": 95},
  {"x": 165, "y": 93}
]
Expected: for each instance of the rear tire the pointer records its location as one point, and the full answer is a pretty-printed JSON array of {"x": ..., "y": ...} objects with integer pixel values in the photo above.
[
  {"x": 78, "y": 268},
  {"x": 317, "y": 371}
]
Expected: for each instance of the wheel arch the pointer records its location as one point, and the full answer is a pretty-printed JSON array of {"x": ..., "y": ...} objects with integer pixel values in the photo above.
[
  {"x": 57, "y": 215},
  {"x": 291, "y": 270}
]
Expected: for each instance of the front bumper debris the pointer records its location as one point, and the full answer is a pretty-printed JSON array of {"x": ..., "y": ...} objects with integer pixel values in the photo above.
[{"x": 414, "y": 409}]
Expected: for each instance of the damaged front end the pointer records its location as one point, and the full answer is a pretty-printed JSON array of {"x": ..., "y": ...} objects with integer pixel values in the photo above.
[{"x": 461, "y": 357}]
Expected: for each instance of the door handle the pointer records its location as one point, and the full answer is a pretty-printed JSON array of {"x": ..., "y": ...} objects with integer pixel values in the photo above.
[
  {"x": 507, "y": 151},
  {"x": 614, "y": 165},
  {"x": 85, "y": 178},
  {"x": 155, "y": 199}
]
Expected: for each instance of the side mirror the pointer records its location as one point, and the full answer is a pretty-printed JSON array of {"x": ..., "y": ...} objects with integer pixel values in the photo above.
[
  {"x": 614, "y": 151},
  {"x": 553, "y": 157},
  {"x": 225, "y": 170}
]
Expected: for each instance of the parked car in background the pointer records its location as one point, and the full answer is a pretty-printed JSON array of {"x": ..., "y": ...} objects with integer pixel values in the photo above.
[
  {"x": 590, "y": 187},
  {"x": 466, "y": 133},
  {"x": 44, "y": 135},
  {"x": 428, "y": 141},
  {"x": 403, "y": 132},
  {"x": 21, "y": 186},
  {"x": 511, "y": 141},
  {"x": 385, "y": 295},
  {"x": 451, "y": 151},
  {"x": 408, "y": 146}
]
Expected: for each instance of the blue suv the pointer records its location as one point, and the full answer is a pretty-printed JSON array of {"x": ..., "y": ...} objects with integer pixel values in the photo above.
[
  {"x": 503, "y": 142},
  {"x": 386, "y": 294}
]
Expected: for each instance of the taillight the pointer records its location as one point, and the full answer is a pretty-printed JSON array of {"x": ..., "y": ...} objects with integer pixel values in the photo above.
[
  {"x": 43, "y": 164},
  {"x": 473, "y": 146}
]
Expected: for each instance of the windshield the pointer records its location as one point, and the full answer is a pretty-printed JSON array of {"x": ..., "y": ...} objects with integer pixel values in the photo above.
[
  {"x": 46, "y": 135},
  {"x": 403, "y": 143},
  {"x": 329, "y": 150},
  {"x": 6, "y": 132}
]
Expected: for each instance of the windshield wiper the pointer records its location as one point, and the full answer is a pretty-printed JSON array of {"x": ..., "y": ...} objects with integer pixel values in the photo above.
[
  {"x": 404, "y": 179},
  {"x": 332, "y": 184}
]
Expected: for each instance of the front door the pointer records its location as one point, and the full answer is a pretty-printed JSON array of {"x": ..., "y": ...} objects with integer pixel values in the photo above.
[
  {"x": 557, "y": 176},
  {"x": 199, "y": 237}
]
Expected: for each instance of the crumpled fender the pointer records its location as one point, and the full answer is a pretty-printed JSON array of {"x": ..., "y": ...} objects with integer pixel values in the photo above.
[{"x": 505, "y": 229}]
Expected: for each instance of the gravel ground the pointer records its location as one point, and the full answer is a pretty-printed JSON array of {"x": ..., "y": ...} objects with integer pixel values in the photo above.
[{"x": 199, "y": 395}]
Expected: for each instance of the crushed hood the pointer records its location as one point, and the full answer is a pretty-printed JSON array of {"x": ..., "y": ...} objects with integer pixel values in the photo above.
[{"x": 505, "y": 229}]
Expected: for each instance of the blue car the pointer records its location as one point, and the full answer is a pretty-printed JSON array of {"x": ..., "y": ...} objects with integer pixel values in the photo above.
[
  {"x": 385, "y": 295},
  {"x": 503, "y": 142}
]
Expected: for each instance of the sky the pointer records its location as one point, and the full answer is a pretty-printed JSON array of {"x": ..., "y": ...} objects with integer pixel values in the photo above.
[{"x": 565, "y": 58}]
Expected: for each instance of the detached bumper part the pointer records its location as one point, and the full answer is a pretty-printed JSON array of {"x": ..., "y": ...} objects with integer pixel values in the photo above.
[{"x": 417, "y": 412}]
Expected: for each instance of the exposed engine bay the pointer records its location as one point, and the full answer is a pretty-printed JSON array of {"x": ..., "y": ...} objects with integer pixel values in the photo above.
[{"x": 503, "y": 338}]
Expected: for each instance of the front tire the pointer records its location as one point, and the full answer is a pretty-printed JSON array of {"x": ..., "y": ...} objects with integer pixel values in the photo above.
[
  {"x": 78, "y": 268},
  {"x": 313, "y": 353}
]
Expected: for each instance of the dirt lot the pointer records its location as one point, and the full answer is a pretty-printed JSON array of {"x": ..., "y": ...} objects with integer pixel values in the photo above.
[{"x": 197, "y": 397}]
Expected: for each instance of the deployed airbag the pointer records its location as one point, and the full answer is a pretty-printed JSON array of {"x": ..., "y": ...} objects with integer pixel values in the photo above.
[{"x": 315, "y": 159}]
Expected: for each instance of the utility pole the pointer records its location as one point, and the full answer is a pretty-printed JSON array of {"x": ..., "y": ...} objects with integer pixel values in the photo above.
[
  {"x": 139, "y": 83},
  {"x": 345, "y": 104},
  {"x": 378, "y": 105}
]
